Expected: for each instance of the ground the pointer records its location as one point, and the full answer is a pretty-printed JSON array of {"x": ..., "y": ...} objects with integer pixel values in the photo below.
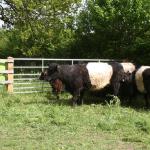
[{"x": 39, "y": 121}]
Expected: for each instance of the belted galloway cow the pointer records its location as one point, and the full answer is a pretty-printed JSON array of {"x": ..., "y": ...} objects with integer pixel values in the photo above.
[
  {"x": 142, "y": 81},
  {"x": 138, "y": 83},
  {"x": 127, "y": 89},
  {"x": 93, "y": 76}
]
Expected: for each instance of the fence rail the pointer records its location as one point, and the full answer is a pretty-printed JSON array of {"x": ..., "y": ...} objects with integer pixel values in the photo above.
[
  {"x": 6, "y": 73},
  {"x": 23, "y": 73}
]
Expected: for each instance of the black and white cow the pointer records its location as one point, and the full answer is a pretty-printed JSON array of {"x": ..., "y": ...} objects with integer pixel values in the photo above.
[
  {"x": 138, "y": 82},
  {"x": 127, "y": 89},
  {"x": 142, "y": 81},
  {"x": 91, "y": 76},
  {"x": 128, "y": 67}
]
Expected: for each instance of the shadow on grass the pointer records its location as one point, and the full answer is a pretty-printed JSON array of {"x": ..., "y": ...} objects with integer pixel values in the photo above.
[
  {"x": 65, "y": 100},
  {"x": 87, "y": 100},
  {"x": 138, "y": 103},
  {"x": 90, "y": 98},
  {"x": 50, "y": 99}
]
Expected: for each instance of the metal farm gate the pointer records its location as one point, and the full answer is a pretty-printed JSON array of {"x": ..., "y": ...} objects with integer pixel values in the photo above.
[{"x": 28, "y": 70}]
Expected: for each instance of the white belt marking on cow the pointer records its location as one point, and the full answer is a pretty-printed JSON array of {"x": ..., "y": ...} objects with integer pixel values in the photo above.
[
  {"x": 100, "y": 75},
  {"x": 139, "y": 78},
  {"x": 128, "y": 67}
]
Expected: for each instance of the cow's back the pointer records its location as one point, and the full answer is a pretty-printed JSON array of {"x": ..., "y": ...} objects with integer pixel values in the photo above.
[
  {"x": 100, "y": 74},
  {"x": 128, "y": 67},
  {"x": 139, "y": 78},
  {"x": 146, "y": 80}
]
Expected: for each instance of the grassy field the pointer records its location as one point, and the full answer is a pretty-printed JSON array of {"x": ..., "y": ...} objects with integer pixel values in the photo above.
[{"x": 38, "y": 121}]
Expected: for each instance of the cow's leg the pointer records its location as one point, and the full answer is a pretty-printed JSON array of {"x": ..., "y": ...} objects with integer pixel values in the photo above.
[
  {"x": 74, "y": 97},
  {"x": 116, "y": 87},
  {"x": 81, "y": 97},
  {"x": 147, "y": 97},
  {"x": 80, "y": 100},
  {"x": 78, "y": 96},
  {"x": 146, "y": 81},
  {"x": 57, "y": 95},
  {"x": 131, "y": 94},
  {"x": 147, "y": 100},
  {"x": 74, "y": 100},
  {"x": 78, "y": 90}
]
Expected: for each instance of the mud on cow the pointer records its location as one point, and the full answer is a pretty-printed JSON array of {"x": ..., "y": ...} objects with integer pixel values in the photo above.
[{"x": 90, "y": 76}]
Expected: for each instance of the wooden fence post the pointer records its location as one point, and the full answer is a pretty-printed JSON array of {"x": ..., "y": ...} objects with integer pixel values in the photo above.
[{"x": 10, "y": 75}]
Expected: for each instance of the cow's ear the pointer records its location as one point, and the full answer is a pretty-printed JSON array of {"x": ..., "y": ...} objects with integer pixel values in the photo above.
[
  {"x": 53, "y": 66},
  {"x": 45, "y": 72}
]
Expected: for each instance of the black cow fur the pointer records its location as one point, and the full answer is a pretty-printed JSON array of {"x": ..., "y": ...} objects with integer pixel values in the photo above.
[
  {"x": 146, "y": 81},
  {"x": 129, "y": 88}
]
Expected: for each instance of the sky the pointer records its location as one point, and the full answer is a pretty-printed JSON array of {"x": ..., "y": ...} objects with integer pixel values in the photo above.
[
  {"x": 4, "y": 5},
  {"x": 1, "y": 22}
]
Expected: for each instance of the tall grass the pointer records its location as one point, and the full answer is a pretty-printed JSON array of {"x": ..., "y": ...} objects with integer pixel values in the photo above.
[{"x": 39, "y": 121}]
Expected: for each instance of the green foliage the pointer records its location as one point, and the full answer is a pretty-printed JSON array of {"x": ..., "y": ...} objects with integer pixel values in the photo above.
[
  {"x": 42, "y": 27},
  {"x": 111, "y": 29},
  {"x": 10, "y": 44}
]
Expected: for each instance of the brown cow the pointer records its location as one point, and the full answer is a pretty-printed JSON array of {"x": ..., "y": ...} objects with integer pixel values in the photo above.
[{"x": 57, "y": 85}]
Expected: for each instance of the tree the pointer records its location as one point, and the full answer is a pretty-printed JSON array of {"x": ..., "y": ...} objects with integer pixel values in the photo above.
[
  {"x": 111, "y": 28},
  {"x": 9, "y": 44},
  {"x": 43, "y": 26}
]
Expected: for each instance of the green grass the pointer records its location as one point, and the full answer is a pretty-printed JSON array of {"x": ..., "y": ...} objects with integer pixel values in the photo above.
[
  {"x": 2, "y": 68},
  {"x": 38, "y": 121}
]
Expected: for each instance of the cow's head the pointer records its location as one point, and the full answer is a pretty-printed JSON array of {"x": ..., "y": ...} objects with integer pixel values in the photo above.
[
  {"x": 52, "y": 68},
  {"x": 53, "y": 71},
  {"x": 43, "y": 75},
  {"x": 127, "y": 77}
]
